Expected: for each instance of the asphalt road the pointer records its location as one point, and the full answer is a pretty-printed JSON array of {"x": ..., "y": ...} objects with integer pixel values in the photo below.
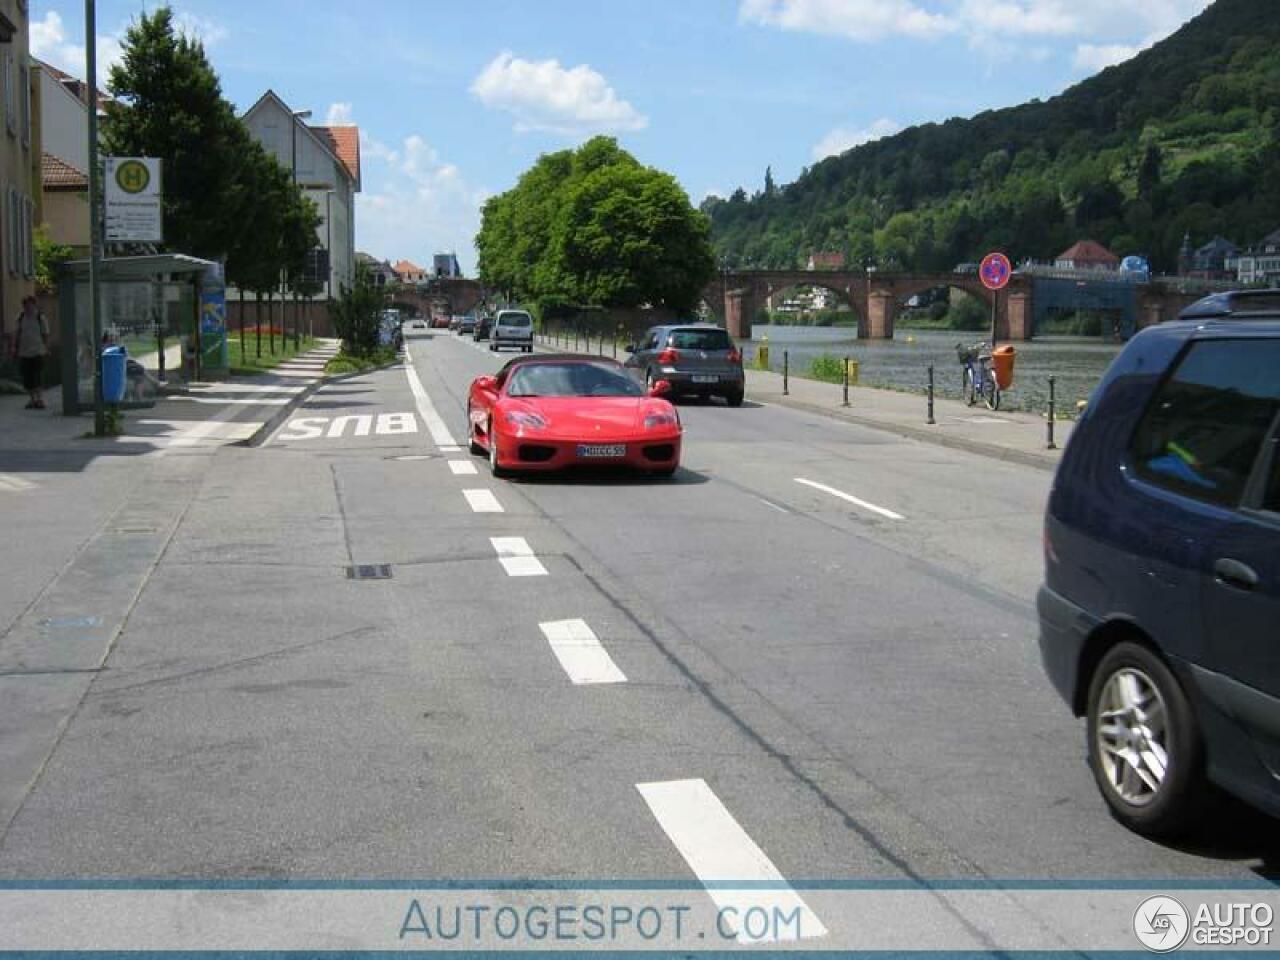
[{"x": 821, "y": 631}]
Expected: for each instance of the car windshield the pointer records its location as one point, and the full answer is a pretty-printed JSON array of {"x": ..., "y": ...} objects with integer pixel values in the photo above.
[
  {"x": 570, "y": 380},
  {"x": 710, "y": 339}
]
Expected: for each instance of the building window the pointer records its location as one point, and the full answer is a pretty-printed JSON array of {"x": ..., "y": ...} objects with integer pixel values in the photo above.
[
  {"x": 25, "y": 77},
  {"x": 10, "y": 96}
]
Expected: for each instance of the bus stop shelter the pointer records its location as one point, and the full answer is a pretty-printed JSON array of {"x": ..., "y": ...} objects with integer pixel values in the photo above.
[{"x": 165, "y": 309}]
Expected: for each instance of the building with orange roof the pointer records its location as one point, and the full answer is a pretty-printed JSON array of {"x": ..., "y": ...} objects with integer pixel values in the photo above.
[
  {"x": 326, "y": 162},
  {"x": 1087, "y": 255},
  {"x": 410, "y": 272}
]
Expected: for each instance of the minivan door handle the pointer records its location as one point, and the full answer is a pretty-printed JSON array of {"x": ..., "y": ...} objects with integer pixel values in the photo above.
[{"x": 1235, "y": 574}]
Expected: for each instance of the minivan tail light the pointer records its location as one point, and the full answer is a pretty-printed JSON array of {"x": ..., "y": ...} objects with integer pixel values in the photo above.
[{"x": 669, "y": 356}]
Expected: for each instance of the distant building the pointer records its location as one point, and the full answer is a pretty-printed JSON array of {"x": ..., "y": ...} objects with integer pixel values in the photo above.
[
  {"x": 380, "y": 270},
  {"x": 65, "y": 208},
  {"x": 327, "y": 167},
  {"x": 446, "y": 265},
  {"x": 1087, "y": 255},
  {"x": 20, "y": 156},
  {"x": 410, "y": 272},
  {"x": 1260, "y": 265},
  {"x": 831, "y": 260},
  {"x": 1216, "y": 260}
]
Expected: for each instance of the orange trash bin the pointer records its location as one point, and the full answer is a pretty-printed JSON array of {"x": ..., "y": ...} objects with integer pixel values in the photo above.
[{"x": 1002, "y": 363}]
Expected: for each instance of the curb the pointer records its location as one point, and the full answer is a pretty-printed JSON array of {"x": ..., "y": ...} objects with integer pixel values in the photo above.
[
  {"x": 1042, "y": 461},
  {"x": 283, "y": 413}
]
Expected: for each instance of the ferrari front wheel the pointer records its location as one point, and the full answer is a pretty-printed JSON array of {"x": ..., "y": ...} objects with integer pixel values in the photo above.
[
  {"x": 474, "y": 445},
  {"x": 494, "y": 468}
]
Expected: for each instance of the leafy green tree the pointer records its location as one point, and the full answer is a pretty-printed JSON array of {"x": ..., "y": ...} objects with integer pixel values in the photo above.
[
  {"x": 49, "y": 257},
  {"x": 357, "y": 312}
]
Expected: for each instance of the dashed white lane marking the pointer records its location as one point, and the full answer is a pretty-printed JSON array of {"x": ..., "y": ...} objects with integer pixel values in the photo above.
[
  {"x": 721, "y": 853},
  {"x": 446, "y": 448},
  {"x": 516, "y": 557},
  {"x": 462, "y": 468},
  {"x": 482, "y": 501},
  {"x": 580, "y": 653},
  {"x": 11, "y": 484},
  {"x": 255, "y": 401},
  {"x": 439, "y": 432},
  {"x": 851, "y": 499}
]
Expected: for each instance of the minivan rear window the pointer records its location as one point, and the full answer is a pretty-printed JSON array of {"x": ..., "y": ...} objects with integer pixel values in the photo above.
[
  {"x": 515, "y": 320},
  {"x": 710, "y": 339},
  {"x": 1205, "y": 427}
]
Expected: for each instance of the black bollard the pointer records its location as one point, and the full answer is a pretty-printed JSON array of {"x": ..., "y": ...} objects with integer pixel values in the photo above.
[
  {"x": 931, "y": 420},
  {"x": 846, "y": 382},
  {"x": 786, "y": 374},
  {"x": 1052, "y": 411}
]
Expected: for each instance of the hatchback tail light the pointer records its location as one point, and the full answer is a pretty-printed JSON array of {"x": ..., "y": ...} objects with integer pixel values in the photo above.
[
  {"x": 735, "y": 356},
  {"x": 669, "y": 356}
]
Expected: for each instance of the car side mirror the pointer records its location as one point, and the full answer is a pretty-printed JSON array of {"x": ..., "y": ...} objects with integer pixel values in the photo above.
[
  {"x": 487, "y": 383},
  {"x": 660, "y": 388},
  {"x": 630, "y": 348}
]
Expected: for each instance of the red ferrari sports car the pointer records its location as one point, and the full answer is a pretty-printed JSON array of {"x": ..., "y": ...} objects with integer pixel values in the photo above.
[{"x": 552, "y": 412}]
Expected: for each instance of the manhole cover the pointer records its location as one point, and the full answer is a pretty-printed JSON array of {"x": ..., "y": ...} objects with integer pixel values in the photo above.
[{"x": 369, "y": 571}]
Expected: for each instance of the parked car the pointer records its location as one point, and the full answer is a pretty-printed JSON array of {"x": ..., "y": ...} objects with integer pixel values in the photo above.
[
  {"x": 466, "y": 324},
  {"x": 694, "y": 358},
  {"x": 552, "y": 412},
  {"x": 1160, "y": 610},
  {"x": 484, "y": 326},
  {"x": 454, "y": 321},
  {"x": 512, "y": 328},
  {"x": 441, "y": 321}
]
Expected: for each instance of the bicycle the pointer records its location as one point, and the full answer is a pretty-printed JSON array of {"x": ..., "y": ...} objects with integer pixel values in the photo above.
[{"x": 979, "y": 377}]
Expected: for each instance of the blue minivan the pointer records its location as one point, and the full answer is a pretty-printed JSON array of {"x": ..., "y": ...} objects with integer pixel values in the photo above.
[{"x": 1160, "y": 611}]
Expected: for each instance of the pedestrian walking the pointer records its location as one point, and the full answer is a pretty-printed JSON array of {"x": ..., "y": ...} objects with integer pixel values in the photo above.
[{"x": 29, "y": 347}]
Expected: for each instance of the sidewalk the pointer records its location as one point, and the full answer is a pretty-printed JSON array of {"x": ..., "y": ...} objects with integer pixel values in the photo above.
[
  {"x": 207, "y": 414},
  {"x": 1015, "y": 436}
]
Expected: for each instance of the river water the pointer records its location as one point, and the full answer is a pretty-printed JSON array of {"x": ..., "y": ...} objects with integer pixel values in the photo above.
[{"x": 902, "y": 363}]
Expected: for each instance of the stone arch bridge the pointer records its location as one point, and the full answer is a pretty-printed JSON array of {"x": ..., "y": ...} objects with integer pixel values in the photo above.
[{"x": 875, "y": 298}]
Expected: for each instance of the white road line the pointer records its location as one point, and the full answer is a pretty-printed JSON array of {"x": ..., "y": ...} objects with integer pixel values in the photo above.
[
  {"x": 720, "y": 852},
  {"x": 851, "y": 499},
  {"x": 580, "y": 653},
  {"x": 516, "y": 557},
  {"x": 770, "y": 503},
  {"x": 14, "y": 484},
  {"x": 482, "y": 501},
  {"x": 446, "y": 448},
  {"x": 462, "y": 468},
  {"x": 439, "y": 432},
  {"x": 254, "y": 401}
]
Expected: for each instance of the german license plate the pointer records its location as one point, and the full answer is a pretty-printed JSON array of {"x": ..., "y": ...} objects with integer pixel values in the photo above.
[
  {"x": 602, "y": 449},
  {"x": 705, "y": 378}
]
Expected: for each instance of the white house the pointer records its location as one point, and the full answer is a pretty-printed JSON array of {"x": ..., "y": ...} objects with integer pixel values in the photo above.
[
  {"x": 1261, "y": 264},
  {"x": 326, "y": 162}
]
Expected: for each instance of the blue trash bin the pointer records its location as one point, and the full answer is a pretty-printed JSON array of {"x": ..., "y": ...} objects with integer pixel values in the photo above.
[{"x": 114, "y": 363}]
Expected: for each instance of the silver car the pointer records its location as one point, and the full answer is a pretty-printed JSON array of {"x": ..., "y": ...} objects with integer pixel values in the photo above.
[
  {"x": 694, "y": 358},
  {"x": 512, "y": 328}
]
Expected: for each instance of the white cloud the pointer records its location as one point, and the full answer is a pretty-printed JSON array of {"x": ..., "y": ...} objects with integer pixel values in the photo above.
[
  {"x": 543, "y": 95},
  {"x": 207, "y": 31},
  {"x": 49, "y": 43},
  {"x": 856, "y": 19},
  {"x": 1092, "y": 57},
  {"x": 996, "y": 29},
  {"x": 338, "y": 115},
  {"x": 418, "y": 204},
  {"x": 846, "y": 138}
]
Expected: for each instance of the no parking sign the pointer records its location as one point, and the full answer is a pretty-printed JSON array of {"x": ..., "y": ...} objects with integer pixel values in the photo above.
[{"x": 995, "y": 271}]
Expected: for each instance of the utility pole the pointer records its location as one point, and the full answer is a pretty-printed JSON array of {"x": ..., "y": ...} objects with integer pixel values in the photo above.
[{"x": 95, "y": 215}]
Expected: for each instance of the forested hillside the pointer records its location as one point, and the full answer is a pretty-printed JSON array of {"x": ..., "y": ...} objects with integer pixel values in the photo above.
[{"x": 1181, "y": 138}]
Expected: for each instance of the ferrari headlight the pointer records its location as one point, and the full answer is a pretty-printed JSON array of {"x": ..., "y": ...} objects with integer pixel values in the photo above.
[
  {"x": 655, "y": 420},
  {"x": 520, "y": 418}
]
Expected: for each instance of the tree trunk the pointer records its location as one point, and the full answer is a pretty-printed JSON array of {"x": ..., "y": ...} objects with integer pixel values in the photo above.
[
  {"x": 257, "y": 321},
  {"x": 240, "y": 291}
]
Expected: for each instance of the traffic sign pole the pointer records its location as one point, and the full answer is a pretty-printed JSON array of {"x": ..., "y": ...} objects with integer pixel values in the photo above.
[
  {"x": 994, "y": 272},
  {"x": 95, "y": 217}
]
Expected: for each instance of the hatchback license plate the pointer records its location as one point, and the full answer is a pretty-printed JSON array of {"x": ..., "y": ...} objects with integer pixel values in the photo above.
[
  {"x": 705, "y": 378},
  {"x": 602, "y": 449}
]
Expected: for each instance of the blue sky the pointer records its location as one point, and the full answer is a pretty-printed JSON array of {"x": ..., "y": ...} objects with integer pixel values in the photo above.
[{"x": 454, "y": 100}]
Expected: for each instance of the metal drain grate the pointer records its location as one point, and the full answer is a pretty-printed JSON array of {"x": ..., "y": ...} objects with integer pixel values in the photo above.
[{"x": 369, "y": 571}]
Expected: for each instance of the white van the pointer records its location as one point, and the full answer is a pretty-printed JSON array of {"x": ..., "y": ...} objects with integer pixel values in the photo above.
[{"x": 512, "y": 328}]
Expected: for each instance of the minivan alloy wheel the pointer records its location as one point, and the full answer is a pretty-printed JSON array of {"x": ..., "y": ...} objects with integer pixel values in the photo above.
[{"x": 1132, "y": 736}]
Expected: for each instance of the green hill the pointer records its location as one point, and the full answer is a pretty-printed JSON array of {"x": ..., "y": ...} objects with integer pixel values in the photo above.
[{"x": 1182, "y": 138}]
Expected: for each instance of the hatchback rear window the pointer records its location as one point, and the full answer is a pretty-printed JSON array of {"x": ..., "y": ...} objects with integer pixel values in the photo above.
[
  {"x": 1204, "y": 429},
  {"x": 711, "y": 339}
]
